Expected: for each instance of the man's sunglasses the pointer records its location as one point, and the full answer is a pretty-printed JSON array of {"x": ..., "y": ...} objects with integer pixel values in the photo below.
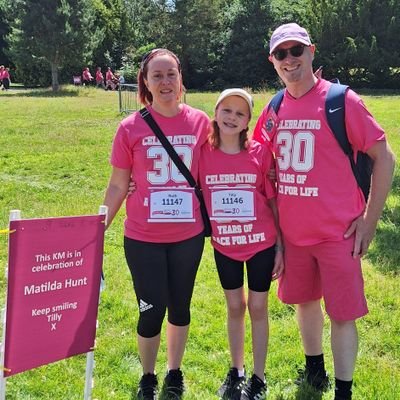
[{"x": 295, "y": 51}]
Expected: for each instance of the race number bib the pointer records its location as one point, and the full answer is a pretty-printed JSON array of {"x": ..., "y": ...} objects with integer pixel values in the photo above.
[
  {"x": 232, "y": 204},
  {"x": 171, "y": 205}
]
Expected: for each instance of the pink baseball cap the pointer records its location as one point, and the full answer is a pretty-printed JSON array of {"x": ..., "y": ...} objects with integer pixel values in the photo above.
[{"x": 287, "y": 32}]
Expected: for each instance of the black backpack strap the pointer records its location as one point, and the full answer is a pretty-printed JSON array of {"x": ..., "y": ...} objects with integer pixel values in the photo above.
[
  {"x": 276, "y": 101},
  {"x": 144, "y": 112},
  {"x": 335, "y": 114}
]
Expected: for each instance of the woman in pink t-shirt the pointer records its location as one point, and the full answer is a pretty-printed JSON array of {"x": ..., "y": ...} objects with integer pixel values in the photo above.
[
  {"x": 241, "y": 203},
  {"x": 164, "y": 237}
]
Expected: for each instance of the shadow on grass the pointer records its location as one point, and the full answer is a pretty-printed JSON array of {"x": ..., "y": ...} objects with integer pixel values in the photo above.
[
  {"x": 302, "y": 391},
  {"x": 32, "y": 92},
  {"x": 385, "y": 254},
  {"x": 307, "y": 394}
]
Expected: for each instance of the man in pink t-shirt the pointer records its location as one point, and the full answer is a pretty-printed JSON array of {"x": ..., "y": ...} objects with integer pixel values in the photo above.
[{"x": 326, "y": 225}]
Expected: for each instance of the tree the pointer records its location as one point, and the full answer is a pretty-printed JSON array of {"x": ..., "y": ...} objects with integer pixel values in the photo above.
[
  {"x": 356, "y": 41},
  {"x": 112, "y": 16},
  {"x": 5, "y": 29},
  {"x": 55, "y": 32},
  {"x": 191, "y": 33},
  {"x": 245, "y": 38}
]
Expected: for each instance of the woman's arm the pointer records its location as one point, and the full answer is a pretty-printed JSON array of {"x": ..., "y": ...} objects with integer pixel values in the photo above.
[{"x": 116, "y": 191}]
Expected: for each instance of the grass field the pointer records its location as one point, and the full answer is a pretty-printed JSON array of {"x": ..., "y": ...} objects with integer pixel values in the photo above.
[{"x": 54, "y": 152}]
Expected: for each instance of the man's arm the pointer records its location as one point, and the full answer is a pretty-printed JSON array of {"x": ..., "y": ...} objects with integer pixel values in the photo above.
[{"x": 382, "y": 173}]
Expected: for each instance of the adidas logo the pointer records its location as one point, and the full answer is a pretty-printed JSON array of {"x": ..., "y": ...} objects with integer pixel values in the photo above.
[{"x": 143, "y": 306}]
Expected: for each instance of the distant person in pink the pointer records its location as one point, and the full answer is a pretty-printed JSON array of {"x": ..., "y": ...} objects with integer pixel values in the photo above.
[
  {"x": 110, "y": 79},
  {"x": 162, "y": 248},
  {"x": 1, "y": 76},
  {"x": 326, "y": 225},
  {"x": 5, "y": 78},
  {"x": 87, "y": 77},
  {"x": 99, "y": 78},
  {"x": 241, "y": 203}
]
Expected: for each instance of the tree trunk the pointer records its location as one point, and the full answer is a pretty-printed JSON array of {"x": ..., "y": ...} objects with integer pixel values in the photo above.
[{"x": 54, "y": 77}]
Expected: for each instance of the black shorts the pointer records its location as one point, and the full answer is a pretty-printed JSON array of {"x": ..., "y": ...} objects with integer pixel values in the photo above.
[{"x": 259, "y": 270}]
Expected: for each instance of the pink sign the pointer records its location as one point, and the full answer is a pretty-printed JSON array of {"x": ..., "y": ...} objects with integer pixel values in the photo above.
[{"x": 53, "y": 289}]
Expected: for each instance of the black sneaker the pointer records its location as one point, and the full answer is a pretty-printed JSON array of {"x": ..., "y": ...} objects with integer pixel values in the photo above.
[
  {"x": 318, "y": 379},
  {"x": 255, "y": 389},
  {"x": 232, "y": 386},
  {"x": 147, "y": 387},
  {"x": 173, "y": 386}
]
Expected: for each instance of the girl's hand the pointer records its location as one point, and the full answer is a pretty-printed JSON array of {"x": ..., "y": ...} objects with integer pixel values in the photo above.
[
  {"x": 272, "y": 174},
  {"x": 131, "y": 188},
  {"x": 278, "y": 264}
]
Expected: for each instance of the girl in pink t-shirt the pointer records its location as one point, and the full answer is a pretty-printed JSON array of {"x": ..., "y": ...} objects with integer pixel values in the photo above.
[
  {"x": 241, "y": 203},
  {"x": 163, "y": 229}
]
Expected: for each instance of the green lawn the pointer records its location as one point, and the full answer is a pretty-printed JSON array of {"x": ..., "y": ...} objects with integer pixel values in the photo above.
[{"x": 54, "y": 154}]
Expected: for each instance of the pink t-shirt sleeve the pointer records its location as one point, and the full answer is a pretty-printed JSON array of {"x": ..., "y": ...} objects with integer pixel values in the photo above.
[
  {"x": 266, "y": 126},
  {"x": 258, "y": 134},
  {"x": 362, "y": 129},
  {"x": 121, "y": 155}
]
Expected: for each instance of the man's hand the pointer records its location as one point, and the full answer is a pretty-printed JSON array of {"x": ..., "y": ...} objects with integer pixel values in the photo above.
[{"x": 363, "y": 236}]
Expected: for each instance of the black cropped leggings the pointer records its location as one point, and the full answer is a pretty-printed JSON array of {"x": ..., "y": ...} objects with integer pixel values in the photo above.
[{"x": 163, "y": 276}]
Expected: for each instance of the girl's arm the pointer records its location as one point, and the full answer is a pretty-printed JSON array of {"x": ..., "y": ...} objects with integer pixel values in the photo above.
[{"x": 279, "y": 264}]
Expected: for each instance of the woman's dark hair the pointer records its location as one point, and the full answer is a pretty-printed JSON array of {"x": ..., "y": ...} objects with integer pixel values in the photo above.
[
  {"x": 214, "y": 137},
  {"x": 144, "y": 94}
]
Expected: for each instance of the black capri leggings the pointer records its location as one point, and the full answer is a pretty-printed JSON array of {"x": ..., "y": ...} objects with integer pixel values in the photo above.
[{"x": 163, "y": 276}]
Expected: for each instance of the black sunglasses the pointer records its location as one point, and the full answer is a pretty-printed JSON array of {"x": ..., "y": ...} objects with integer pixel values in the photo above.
[{"x": 295, "y": 51}]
